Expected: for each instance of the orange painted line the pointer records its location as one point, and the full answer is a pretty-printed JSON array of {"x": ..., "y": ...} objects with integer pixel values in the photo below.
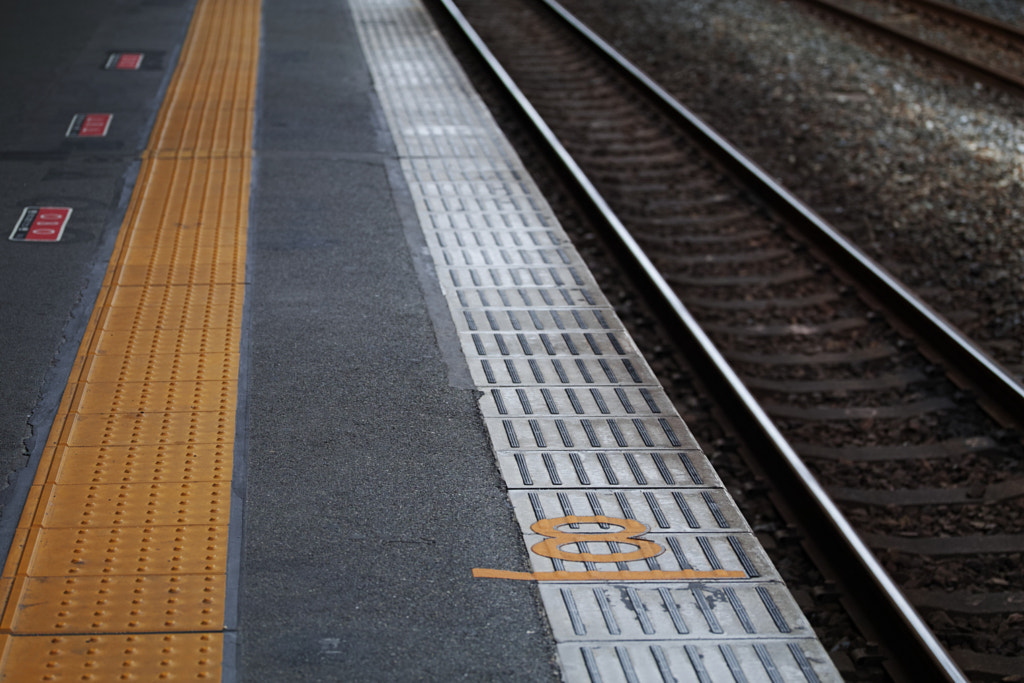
[{"x": 686, "y": 574}]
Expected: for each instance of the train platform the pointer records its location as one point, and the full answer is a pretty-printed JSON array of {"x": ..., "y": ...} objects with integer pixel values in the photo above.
[{"x": 304, "y": 382}]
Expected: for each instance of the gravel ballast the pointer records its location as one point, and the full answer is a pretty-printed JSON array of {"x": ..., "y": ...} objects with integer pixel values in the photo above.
[{"x": 921, "y": 167}]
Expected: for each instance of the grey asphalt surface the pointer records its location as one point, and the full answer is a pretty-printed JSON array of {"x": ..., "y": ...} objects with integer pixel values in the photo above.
[{"x": 372, "y": 490}]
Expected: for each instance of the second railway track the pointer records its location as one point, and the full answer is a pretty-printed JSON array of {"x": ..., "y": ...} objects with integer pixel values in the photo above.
[
  {"x": 983, "y": 47},
  {"x": 932, "y": 482}
]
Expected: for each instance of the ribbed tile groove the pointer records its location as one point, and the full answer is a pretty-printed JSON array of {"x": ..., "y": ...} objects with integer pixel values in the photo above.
[{"x": 119, "y": 564}]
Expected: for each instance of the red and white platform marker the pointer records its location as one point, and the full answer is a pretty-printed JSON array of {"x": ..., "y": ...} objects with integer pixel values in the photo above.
[
  {"x": 41, "y": 224},
  {"x": 124, "y": 61},
  {"x": 89, "y": 125}
]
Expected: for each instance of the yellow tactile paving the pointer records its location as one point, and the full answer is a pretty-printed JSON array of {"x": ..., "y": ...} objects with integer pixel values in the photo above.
[
  {"x": 121, "y": 429},
  {"x": 159, "y": 503},
  {"x": 121, "y": 604},
  {"x": 156, "y": 342},
  {"x": 169, "y": 367},
  {"x": 128, "y": 464},
  {"x": 103, "y": 397},
  {"x": 103, "y": 658},
  {"x": 129, "y": 551},
  {"x": 126, "y": 527}
]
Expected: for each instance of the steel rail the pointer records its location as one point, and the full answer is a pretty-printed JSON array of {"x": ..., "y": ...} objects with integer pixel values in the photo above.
[
  {"x": 1005, "y": 31},
  {"x": 987, "y": 72},
  {"x": 922, "y": 657},
  {"x": 996, "y": 389}
]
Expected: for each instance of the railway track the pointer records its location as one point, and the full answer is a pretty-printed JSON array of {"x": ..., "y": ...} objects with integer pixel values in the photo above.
[
  {"x": 982, "y": 47},
  {"x": 924, "y": 465}
]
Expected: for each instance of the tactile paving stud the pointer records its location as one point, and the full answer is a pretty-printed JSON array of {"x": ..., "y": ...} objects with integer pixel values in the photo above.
[
  {"x": 106, "y": 658},
  {"x": 165, "y": 367},
  {"x": 127, "y": 464},
  {"x": 125, "y": 429},
  {"x": 175, "y": 302},
  {"x": 121, "y": 604},
  {"x": 113, "y": 397},
  {"x": 130, "y": 551},
  {"x": 138, "y": 504},
  {"x": 158, "y": 342}
]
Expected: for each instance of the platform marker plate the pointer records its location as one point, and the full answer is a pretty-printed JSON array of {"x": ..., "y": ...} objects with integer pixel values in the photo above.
[
  {"x": 645, "y": 567},
  {"x": 89, "y": 126},
  {"x": 41, "y": 224},
  {"x": 124, "y": 61}
]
